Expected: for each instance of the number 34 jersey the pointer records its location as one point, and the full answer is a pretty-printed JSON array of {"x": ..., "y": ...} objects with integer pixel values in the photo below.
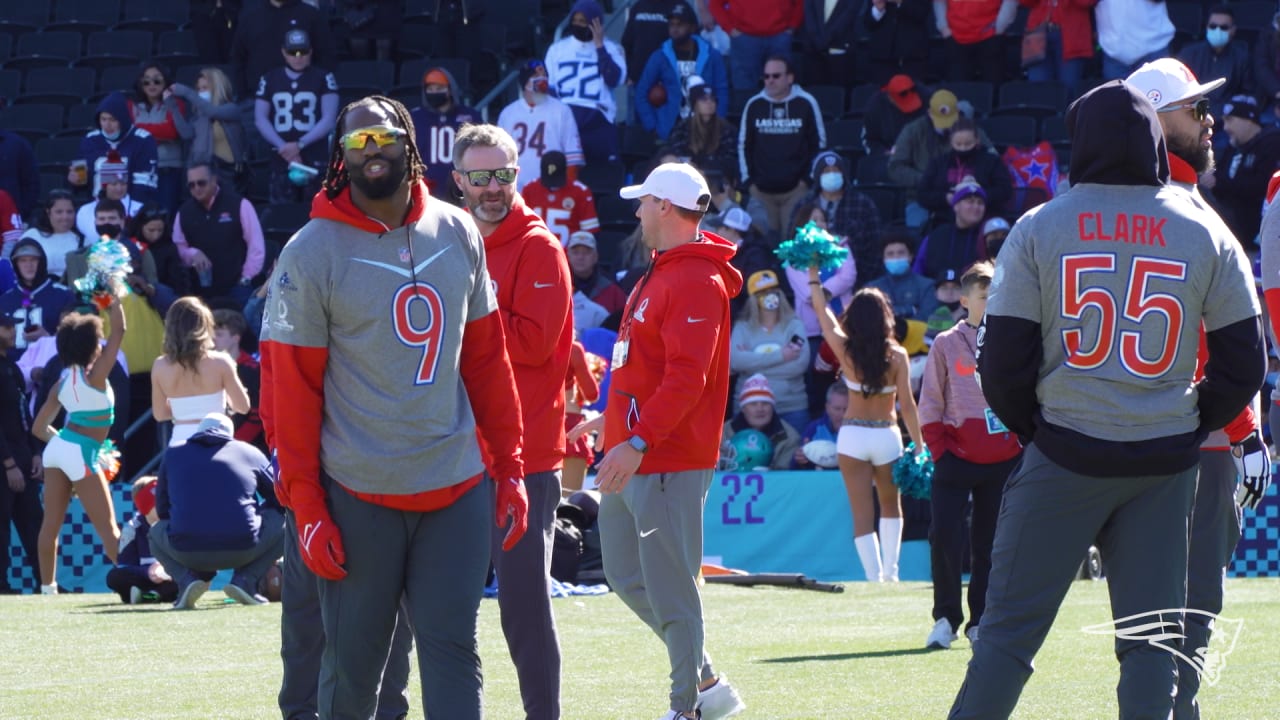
[
  {"x": 539, "y": 129},
  {"x": 1119, "y": 279},
  {"x": 295, "y": 105}
]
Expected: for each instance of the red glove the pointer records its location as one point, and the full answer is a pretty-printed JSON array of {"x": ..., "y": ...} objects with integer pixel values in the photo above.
[
  {"x": 319, "y": 540},
  {"x": 513, "y": 501}
]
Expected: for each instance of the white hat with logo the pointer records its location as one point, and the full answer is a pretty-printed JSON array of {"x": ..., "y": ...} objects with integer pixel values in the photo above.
[{"x": 1167, "y": 82}]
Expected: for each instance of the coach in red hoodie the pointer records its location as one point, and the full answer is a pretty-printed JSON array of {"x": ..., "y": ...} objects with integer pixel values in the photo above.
[
  {"x": 662, "y": 427},
  {"x": 535, "y": 299},
  {"x": 383, "y": 353}
]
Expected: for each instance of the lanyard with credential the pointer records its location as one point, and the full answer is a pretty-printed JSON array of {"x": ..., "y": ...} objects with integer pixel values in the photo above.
[{"x": 635, "y": 308}]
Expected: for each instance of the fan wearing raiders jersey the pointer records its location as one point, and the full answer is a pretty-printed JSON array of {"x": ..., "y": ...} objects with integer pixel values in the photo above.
[
  {"x": 1088, "y": 349},
  {"x": 294, "y": 110}
]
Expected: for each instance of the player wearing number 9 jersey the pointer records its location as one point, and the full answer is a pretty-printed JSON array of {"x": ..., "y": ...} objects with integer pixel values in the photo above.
[{"x": 1088, "y": 350}]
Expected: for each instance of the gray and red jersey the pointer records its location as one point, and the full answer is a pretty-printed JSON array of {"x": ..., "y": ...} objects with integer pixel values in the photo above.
[{"x": 1119, "y": 279}]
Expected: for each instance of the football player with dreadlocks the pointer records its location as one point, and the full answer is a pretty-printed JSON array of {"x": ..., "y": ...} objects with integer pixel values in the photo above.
[{"x": 375, "y": 422}]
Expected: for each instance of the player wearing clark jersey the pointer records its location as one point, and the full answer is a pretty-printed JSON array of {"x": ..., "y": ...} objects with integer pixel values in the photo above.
[
  {"x": 539, "y": 124},
  {"x": 1088, "y": 350},
  {"x": 294, "y": 110}
]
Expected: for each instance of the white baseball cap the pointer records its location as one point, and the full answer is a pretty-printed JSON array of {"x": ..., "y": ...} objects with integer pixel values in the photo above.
[
  {"x": 678, "y": 183},
  {"x": 1168, "y": 82}
]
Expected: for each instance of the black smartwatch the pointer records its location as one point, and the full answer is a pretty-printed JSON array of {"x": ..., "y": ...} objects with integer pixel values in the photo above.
[{"x": 640, "y": 445}]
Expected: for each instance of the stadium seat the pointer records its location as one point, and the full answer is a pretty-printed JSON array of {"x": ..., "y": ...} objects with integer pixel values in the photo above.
[
  {"x": 56, "y": 153},
  {"x": 609, "y": 249},
  {"x": 603, "y": 178},
  {"x": 120, "y": 78},
  {"x": 1010, "y": 130},
  {"x": 59, "y": 85},
  {"x": 176, "y": 42},
  {"x": 738, "y": 98},
  {"x": 29, "y": 12},
  {"x": 981, "y": 95},
  {"x": 87, "y": 12},
  {"x": 1188, "y": 19},
  {"x": 10, "y": 86},
  {"x": 135, "y": 44},
  {"x": 638, "y": 144},
  {"x": 52, "y": 181},
  {"x": 80, "y": 120},
  {"x": 281, "y": 221},
  {"x": 873, "y": 170},
  {"x": 1054, "y": 130},
  {"x": 845, "y": 136},
  {"x": 32, "y": 121},
  {"x": 888, "y": 200},
  {"x": 6, "y": 47},
  {"x": 831, "y": 99},
  {"x": 1040, "y": 99},
  {"x": 859, "y": 96},
  {"x": 154, "y": 15},
  {"x": 44, "y": 49},
  {"x": 613, "y": 210},
  {"x": 369, "y": 76}
]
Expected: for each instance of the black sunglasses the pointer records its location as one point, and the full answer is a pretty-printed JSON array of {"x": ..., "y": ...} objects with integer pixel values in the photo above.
[
  {"x": 192, "y": 184},
  {"x": 480, "y": 178},
  {"x": 1219, "y": 27},
  {"x": 773, "y": 76},
  {"x": 1199, "y": 109},
  {"x": 152, "y": 81},
  {"x": 297, "y": 53}
]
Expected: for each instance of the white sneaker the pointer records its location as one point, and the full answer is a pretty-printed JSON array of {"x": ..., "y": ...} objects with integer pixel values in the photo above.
[
  {"x": 135, "y": 595},
  {"x": 941, "y": 635},
  {"x": 49, "y": 589},
  {"x": 972, "y": 634},
  {"x": 719, "y": 701}
]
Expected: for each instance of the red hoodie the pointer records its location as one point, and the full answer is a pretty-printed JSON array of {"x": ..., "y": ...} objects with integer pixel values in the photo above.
[
  {"x": 292, "y": 402},
  {"x": 672, "y": 390},
  {"x": 762, "y": 18},
  {"x": 535, "y": 300}
]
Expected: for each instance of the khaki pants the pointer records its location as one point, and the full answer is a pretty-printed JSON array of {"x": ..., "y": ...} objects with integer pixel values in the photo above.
[{"x": 779, "y": 207}]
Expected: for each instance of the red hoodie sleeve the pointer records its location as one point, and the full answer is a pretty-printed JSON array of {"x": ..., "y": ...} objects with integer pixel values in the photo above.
[
  {"x": 296, "y": 375},
  {"x": 491, "y": 387},
  {"x": 689, "y": 356},
  {"x": 1272, "y": 298},
  {"x": 582, "y": 375},
  {"x": 542, "y": 300}
]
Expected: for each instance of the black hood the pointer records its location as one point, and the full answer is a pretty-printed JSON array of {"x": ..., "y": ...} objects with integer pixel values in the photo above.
[
  {"x": 42, "y": 269},
  {"x": 1116, "y": 138}
]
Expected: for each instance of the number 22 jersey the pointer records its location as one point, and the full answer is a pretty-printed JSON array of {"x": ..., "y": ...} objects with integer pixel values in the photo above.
[{"x": 295, "y": 106}]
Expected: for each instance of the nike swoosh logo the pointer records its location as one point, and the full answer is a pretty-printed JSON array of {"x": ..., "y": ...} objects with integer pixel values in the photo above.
[
  {"x": 539, "y": 285},
  {"x": 964, "y": 370},
  {"x": 402, "y": 272},
  {"x": 647, "y": 533},
  {"x": 309, "y": 534},
  {"x": 696, "y": 320}
]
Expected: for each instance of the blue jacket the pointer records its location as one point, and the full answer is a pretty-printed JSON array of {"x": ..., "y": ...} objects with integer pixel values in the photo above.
[
  {"x": 136, "y": 147},
  {"x": 208, "y": 493},
  {"x": 662, "y": 66},
  {"x": 39, "y": 304}
]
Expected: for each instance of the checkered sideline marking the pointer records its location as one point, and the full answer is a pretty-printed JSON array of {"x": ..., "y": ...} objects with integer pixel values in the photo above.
[{"x": 82, "y": 564}]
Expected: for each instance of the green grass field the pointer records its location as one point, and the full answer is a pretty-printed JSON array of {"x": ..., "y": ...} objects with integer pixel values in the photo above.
[{"x": 791, "y": 653}]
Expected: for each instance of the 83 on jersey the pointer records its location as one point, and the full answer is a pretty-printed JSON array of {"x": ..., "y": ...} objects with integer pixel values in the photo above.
[
  {"x": 295, "y": 104},
  {"x": 1141, "y": 311}
]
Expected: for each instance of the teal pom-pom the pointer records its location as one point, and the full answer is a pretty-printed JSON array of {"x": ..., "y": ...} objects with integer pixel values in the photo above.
[
  {"x": 109, "y": 265},
  {"x": 812, "y": 243},
  {"x": 913, "y": 474}
]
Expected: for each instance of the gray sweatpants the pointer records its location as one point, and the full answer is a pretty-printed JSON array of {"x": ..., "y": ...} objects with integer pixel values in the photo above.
[
  {"x": 524, "y": 598},
  {"x": 302, "y": 643},
  {"x": 437, "y": 562},
  {"x": 249, "y": 564},
  {"x": 651, "y": 540},
  {"x": 1215, "y": 530},
  {"x": 1047, "y": 521}
]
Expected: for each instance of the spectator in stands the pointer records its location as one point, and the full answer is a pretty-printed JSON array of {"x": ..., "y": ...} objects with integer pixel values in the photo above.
[
  {"x": 921, "y": 141},
  {"x": 966, "y": 159},
  {"x": 435, "y": 125},
  {"x": 19, "y": 171},
  {"x": 911, "y": 293},
  {"x": 705, "y": 137},
  {"x": 55, "y": 230},
  {"x": 824, "y": 427},
  {"x": 114, "y": 176},
  {"x": 827, "y": 41},
  {"x": 759, "y": 29},
  {"x": 661, "y": 93},
  {"x": 295, "y": 108},
  {"x": 955, "y": 245},
  {"x": 229, "y": 330},
  {"x": 1068, "y": 36},
  {"x": 19, "y": 494},
  {"x": 849, "y": 214},
  {"x": 1243, "y": 171},
  {"x": 974, "y": 35},
  {"x": 994, "y": 232},
  {"x": 116, "y": 140},
  {"x": 218, "y": 135},
  {"x": 757, "y": 411},
  {"x": 138, "y": 577},
  {"x": 213, "y": 23},
  {"x": 768, "y": 340},
  {"x": 540, "y": 123},
  {"x": 754, "y": 255},
  {"x": 584, "y": 68},
  {"x": 261, "y": 25},
  {"x": 948, "y": 292},
  {"x": 899, "y": 38},
  {"x": 11, "y": 223},
  {"x": 192, "y": 379},
  {"x": 37, "y": 300},
  {"x": 1220, "y": 55},
  {"x": 210, "y": 516},
  {"x": 566, "y": 207},
  {"x": 157, "y": 110},
  {"x": 646, "y": 31},
  {"x": 1130, "y": 33},
  {"x": 588, "y": 278},
  {"x": 781, "y": 130},
  {"x": 150, "y": 231},
  {"x": 888, "y": 112},
  {"x": 372, "y": 26},
  {"x": 218, "y": 235},
  {"x": 1266, "y": 70},
  {"x": 109, "y": 224}
]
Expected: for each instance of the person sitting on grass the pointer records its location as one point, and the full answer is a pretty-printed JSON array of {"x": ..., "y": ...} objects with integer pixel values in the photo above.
[{"x": 137, "y": 576}]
